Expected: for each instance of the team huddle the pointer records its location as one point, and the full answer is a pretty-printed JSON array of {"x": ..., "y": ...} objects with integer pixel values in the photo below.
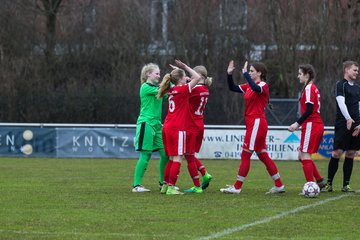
[{"x": 182, "y": 134}]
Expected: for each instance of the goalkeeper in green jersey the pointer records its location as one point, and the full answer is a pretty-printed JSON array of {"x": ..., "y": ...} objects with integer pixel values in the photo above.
[{"x": 148, "y": 126}]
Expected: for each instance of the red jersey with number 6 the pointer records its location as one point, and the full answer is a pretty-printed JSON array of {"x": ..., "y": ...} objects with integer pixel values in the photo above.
[{"x": 178, "y": 98}]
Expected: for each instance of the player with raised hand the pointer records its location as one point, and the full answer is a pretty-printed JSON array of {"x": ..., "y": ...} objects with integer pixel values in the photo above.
[
  {"x": 195, "y": 131},
  {"x": 256, "y": 96},
  {"x": 174, "y": 129}
]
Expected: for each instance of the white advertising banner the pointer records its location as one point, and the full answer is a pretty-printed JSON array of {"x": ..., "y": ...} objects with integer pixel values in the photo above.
[{"x": 227, "y": 143}]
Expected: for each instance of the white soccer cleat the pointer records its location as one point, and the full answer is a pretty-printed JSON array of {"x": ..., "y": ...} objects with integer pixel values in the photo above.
[
  {"x": 276, "y": 189},
  {"x": 139, "y": 189},
  {"x": 230, "y": 189}
]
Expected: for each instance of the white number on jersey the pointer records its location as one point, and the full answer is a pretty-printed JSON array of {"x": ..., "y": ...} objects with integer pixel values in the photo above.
[
  {"x": 171, "y": 104},
  {"x": 203, "y": 102}
]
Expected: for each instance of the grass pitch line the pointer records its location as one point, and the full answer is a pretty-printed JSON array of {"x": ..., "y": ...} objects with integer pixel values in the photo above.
[{"x": 269, "y": 219}]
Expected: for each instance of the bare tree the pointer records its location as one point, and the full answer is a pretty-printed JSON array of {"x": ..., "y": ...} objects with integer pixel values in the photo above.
[
  {"x": 81, "y": 59},
  {"x": 49, "y": 9}
]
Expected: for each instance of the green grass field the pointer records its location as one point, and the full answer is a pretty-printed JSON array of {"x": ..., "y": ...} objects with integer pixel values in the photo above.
[{"x": 92, "y": 199}]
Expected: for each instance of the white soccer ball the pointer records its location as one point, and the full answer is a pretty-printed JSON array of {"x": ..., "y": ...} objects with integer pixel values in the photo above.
[
  {"x": 27, "y": 149},
  {"x": 28, "y": 135},
  {"x": 311, "y": 190}
]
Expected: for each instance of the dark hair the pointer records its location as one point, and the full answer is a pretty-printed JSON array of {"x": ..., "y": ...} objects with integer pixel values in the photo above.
[
  {"x": 260, "y": 67},
  {"x": 308, "y": 69}
]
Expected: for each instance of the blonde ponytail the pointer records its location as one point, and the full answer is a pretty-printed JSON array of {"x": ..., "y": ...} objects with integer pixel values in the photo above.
[
  {"x": 208, "y": 81},
  {"x": 204, "y": 74},
  {"x": 173, "y": 78},
  {"x": 164, "y": 86}
]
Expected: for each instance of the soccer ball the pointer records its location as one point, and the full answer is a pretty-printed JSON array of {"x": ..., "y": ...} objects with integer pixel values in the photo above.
[
  {"x": 28, "y": 135},
  {"x": 311, "y": 190}
]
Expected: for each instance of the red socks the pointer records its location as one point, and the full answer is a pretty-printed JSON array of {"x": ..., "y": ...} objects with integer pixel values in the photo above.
[
  {"x": 174, "y": 173},
  {"x": 316, "y": 172},
  {"x": 200, "y": 166},
  {"x": 308, "y": 169},
  {"x": 167, "y": 171},
  {"x": 193, "y": 170},
  {"x": 243, "y": 169},
  {"x": 271, "y": 168}
]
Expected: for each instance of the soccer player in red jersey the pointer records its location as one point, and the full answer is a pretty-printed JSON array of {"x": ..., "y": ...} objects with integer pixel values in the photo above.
[
  {"x": 256, "y": 96},
  {"x": 174, "y": 129},
  {"x": 312, "y": 127},
  {"x": 195, "y": 131}
]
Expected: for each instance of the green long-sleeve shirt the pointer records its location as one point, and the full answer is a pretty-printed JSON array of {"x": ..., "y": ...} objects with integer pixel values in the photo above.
[{"x": 150, "y": 106}]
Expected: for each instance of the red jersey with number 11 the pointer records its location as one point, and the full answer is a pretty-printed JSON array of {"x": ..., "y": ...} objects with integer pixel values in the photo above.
[{"x": 197, "y": 100}]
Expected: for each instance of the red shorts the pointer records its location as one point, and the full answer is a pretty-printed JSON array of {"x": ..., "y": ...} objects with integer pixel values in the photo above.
[
  {"x": 255, "y": 135},
  {"x": 174, "y": 141},
  {"x": 194, "y": 139},
  {"x": 311, "y": 136}
]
